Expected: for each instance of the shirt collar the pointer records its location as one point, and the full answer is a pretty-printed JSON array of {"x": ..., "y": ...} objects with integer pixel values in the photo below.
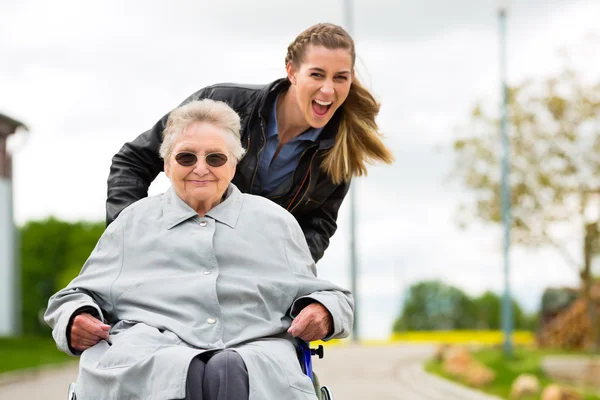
[
  {"x": 311, "y": 134},
  {"x": 176, "y": 211},
  {"x": 228, "y": 211},
  {"x": 272, "y": 125}
]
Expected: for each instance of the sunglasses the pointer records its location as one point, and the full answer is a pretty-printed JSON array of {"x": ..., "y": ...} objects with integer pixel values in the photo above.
[{"x": 187, "y": 159}]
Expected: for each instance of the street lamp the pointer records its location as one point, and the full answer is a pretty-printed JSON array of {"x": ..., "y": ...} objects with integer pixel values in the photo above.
[
  {"x": 507, "y": 319},
  {"x": 9, "y": 256},
  {"x": 353, "y": 258}
]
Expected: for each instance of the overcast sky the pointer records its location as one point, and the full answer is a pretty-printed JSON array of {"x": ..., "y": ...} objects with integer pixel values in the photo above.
[{"x": 88, "y": 77}]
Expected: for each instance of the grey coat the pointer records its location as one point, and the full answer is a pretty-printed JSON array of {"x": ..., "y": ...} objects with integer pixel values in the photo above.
[{"x": 173, "y": 285}]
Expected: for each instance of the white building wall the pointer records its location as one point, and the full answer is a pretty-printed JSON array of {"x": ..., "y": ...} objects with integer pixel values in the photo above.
[{"x": 8, "y": 268}]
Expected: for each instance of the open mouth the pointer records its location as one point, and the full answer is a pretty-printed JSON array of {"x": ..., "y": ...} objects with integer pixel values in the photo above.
[{"x": 320, "y": 108}]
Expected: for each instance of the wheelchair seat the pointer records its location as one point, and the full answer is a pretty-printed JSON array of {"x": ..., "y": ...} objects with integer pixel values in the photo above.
[{"x": 304, "y": 357}]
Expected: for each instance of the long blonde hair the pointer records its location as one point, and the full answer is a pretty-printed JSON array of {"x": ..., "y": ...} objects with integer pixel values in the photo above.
[{"x": 358, "y": 141}]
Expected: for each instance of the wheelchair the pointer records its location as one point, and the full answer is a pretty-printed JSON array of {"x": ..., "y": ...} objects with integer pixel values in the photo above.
[{"x": 304, "y": 357}]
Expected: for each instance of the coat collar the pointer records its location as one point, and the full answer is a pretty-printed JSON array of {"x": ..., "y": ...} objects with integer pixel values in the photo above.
[{"x": 176, "y": 211}]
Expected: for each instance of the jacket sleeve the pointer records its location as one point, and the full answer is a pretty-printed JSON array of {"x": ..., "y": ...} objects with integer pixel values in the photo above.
[
  {"x": 90, "y": 290},
  {"x": 337, "y": 300},
  {"x": 320, "y": 225},
  {"x": 137, "y": 164}
]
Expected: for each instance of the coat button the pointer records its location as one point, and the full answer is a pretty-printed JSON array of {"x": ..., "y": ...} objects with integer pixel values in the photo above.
[
  {"x": 203, "y": 223},
  {"x": 211, "y": 320},
  {"x": 206, "y": 272}
]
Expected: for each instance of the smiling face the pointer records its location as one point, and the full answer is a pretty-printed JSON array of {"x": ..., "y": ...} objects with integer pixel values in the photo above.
[
  {"x": 321, "y": 83},
  {"x": 200, "y": 185}
]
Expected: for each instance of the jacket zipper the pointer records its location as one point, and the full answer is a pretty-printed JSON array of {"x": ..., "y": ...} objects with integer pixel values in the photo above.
[
  {"x": 310, "y": 175},
  {"x": 262, "y": 129},
  {"x": 293, "y": 174}
]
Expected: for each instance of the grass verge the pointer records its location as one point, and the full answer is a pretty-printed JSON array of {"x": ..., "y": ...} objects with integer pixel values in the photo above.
[
  {"x": 28, "y": 352},
  {"x": 507, "y": 369}
]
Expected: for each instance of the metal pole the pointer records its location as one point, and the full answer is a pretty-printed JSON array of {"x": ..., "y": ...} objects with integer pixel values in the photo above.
[
  {"x": 507, "y": 319},
  {"x": 353, "y": 258}
]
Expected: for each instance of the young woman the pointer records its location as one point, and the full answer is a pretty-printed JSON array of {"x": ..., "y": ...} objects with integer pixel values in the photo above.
[{"x": 306, "y": 136}]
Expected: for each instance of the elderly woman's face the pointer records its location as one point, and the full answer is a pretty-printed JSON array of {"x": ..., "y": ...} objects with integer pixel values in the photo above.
[{"x": 200, "y": 182}]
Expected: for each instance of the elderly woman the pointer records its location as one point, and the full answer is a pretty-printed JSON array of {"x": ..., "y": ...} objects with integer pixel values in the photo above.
[{"x": 199, "y": 292}]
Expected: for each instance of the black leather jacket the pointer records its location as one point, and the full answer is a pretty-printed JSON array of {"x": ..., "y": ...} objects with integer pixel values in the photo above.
[{"x": 313, "y": 199}]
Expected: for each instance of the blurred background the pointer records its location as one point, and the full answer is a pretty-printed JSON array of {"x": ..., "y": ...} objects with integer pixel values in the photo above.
[{"x": 83, "y": 78}]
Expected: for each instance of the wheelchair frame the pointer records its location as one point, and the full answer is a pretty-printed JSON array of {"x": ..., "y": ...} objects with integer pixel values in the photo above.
[{"x": 304, "y": 357}]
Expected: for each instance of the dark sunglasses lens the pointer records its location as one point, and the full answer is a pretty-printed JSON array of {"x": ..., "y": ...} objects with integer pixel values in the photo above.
[
  {"x": 186, "y": 159},
  {"x": 216, "y": 159}
]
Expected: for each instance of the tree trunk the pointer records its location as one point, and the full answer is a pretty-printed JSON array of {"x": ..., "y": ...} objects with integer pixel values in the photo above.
[{"x": 591, "y": 237}]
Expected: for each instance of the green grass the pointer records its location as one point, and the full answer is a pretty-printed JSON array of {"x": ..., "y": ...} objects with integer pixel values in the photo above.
[
  {"x": 524, "y": 361},
  {"x": 27, "y": 352}
]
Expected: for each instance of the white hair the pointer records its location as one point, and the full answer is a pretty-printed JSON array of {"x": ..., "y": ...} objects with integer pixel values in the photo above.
[{"x": 214, "y": 112}]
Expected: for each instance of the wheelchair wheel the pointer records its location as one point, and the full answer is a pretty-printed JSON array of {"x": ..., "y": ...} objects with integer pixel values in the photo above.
[
  {"x": 325, "y": 393},
  {"x": 71, "y": 394}
]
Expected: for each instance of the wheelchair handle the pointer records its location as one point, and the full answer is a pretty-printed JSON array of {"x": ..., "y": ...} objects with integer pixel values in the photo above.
[{"x": 317, "y": 352}]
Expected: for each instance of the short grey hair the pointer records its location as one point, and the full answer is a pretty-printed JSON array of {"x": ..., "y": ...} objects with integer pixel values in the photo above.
[{"x": 214, "y": 112}]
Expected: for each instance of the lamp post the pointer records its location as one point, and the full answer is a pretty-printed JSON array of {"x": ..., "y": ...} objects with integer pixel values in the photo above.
[
  {"x": 9, "y": 256},
  {"x": 507, "y": 318},
  {"x": 353, "y": 258}
]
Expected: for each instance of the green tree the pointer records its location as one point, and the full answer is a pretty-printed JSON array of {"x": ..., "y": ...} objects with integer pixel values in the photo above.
[
  {"x": 433, "y": 305},
  {"x": 52, "y": 253},
  {"x": 555, "y": 167},
  {"x": 488, "y": 311},
  {"x": 488, "y": 306},
  {"x": 83, "y": 237},
  {"x": 43, "y": 248}
]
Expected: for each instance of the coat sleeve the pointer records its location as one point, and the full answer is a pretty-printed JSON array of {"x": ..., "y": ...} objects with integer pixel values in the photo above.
[
  {"x": 320, "y": 225},
  {"x": 337, "y": 300},
  {"x": 137, "y": 164},
  {"x": 90, "y": 289}
]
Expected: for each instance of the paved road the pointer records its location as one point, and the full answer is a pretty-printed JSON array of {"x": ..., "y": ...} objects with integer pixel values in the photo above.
[
  {"x": 386, "y": 373},
  {"x": 352, "y": 372}
]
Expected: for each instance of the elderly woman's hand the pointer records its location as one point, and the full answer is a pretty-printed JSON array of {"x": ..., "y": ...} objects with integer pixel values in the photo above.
[
  {"x": 314, "y": 322},
  {"x": 86, "y": 331}
]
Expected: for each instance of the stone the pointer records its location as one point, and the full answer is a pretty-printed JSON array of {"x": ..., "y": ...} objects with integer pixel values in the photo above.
[
  {"x": 457, "y": 361},
  {"x": 557, "y": 392},
  {"x": 591, "y": 375},
  {"x": 524, "y": 385},
  {"x": 478, "y": 375}
]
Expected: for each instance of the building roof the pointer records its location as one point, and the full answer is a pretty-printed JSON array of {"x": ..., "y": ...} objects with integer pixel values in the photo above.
[{"x": 8, "y": 125}]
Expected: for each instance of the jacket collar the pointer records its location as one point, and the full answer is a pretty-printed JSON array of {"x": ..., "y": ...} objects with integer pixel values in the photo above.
[{"x": 176, "y": 211}]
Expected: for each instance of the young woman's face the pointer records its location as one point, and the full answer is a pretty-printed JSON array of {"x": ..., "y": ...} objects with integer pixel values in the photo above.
[{"x": 321, "y": 83}]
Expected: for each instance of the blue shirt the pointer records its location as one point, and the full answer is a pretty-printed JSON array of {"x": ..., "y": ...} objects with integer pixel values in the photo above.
[{"x": 273, "y": 173}]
